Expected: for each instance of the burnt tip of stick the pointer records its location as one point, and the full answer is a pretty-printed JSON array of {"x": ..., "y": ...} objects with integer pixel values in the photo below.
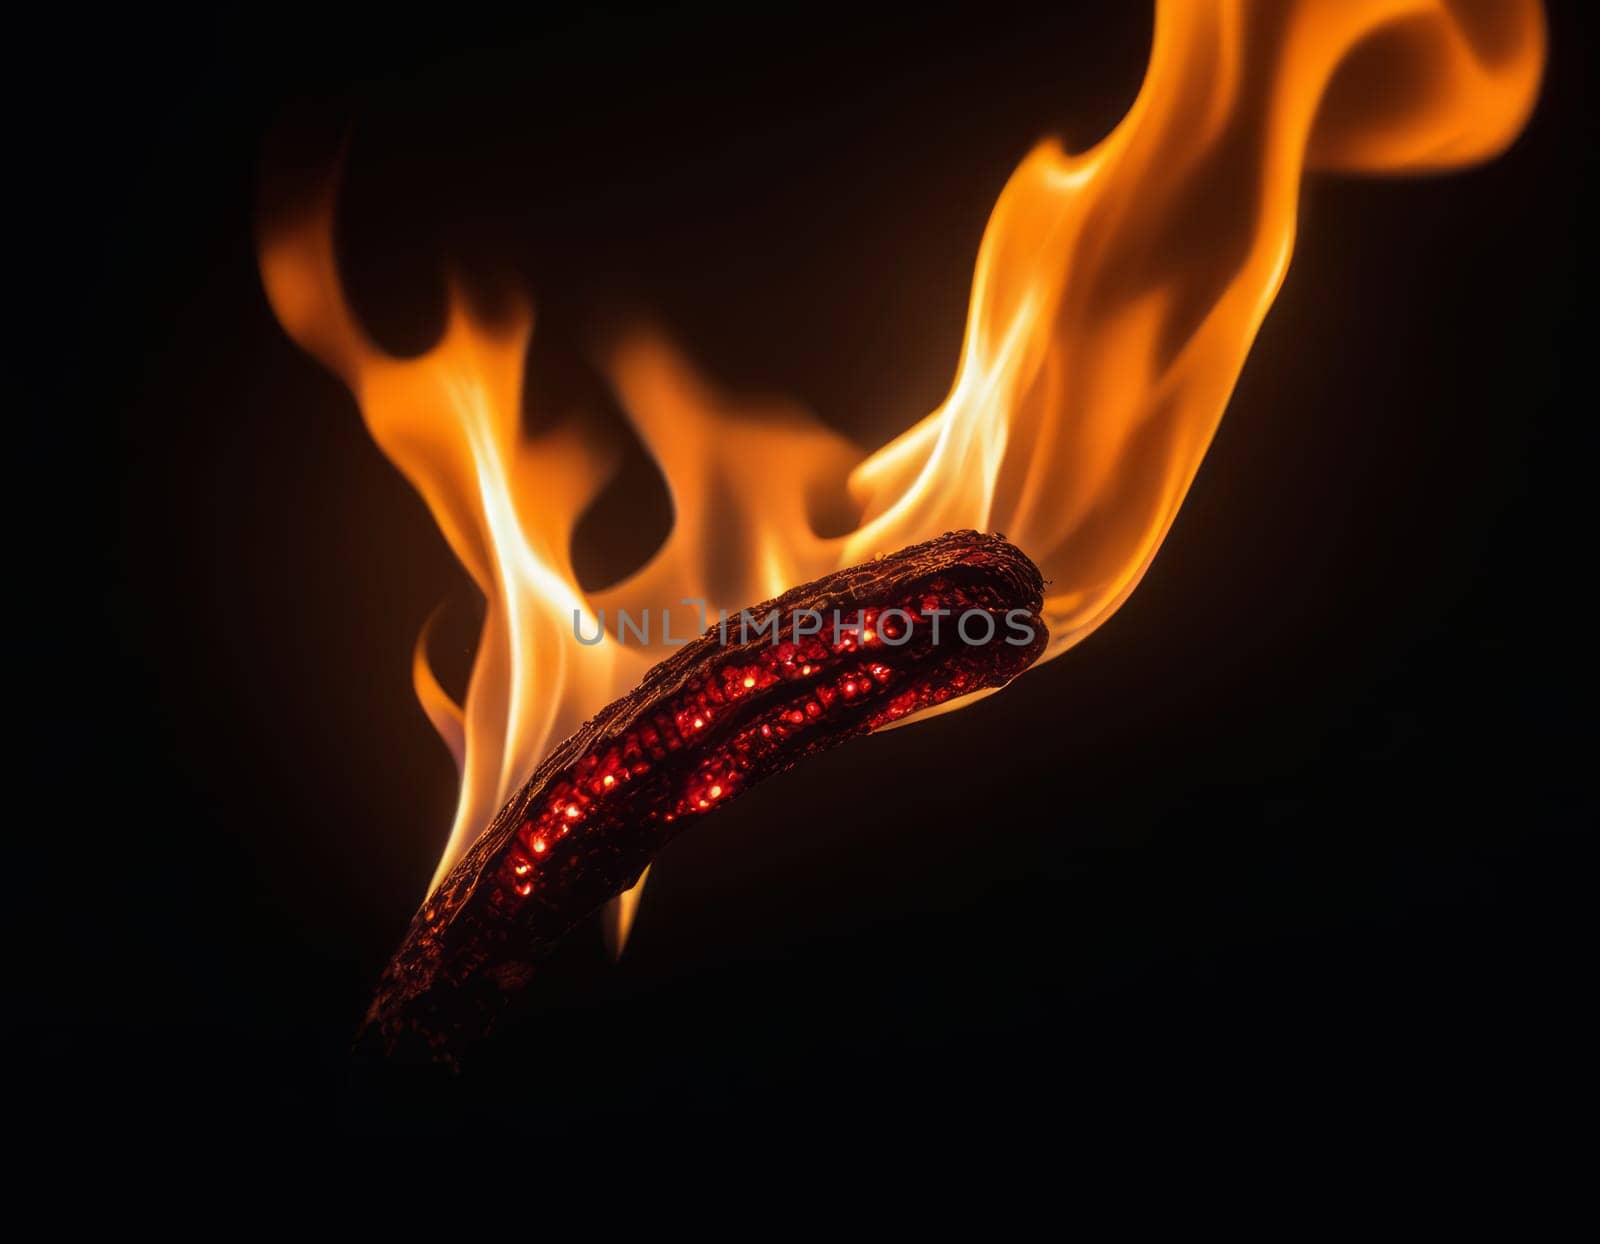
[{"x": 842, "y": 656}]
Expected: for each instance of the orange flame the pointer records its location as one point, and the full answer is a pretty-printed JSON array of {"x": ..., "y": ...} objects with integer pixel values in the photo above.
[{"x": 1116, "y": 295}]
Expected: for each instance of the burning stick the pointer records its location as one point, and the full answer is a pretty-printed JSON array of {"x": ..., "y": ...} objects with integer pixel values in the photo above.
[{"x": 825, "y": 662}]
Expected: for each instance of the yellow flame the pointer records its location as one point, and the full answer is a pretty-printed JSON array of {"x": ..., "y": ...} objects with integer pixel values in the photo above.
[
  {"x": 1116, "y": 296},
  {"x": 622, "y": 912}
]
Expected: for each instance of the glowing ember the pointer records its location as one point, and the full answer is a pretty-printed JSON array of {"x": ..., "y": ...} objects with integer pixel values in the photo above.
[{"x": 526, "y": 882}]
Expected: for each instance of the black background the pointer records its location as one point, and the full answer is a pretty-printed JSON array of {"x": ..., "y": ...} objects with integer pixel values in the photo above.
[{"x": 1297, "y": 827}]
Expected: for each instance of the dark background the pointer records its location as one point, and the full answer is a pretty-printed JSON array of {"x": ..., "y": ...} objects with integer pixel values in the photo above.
[{"x": 1297, "y": 827}]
